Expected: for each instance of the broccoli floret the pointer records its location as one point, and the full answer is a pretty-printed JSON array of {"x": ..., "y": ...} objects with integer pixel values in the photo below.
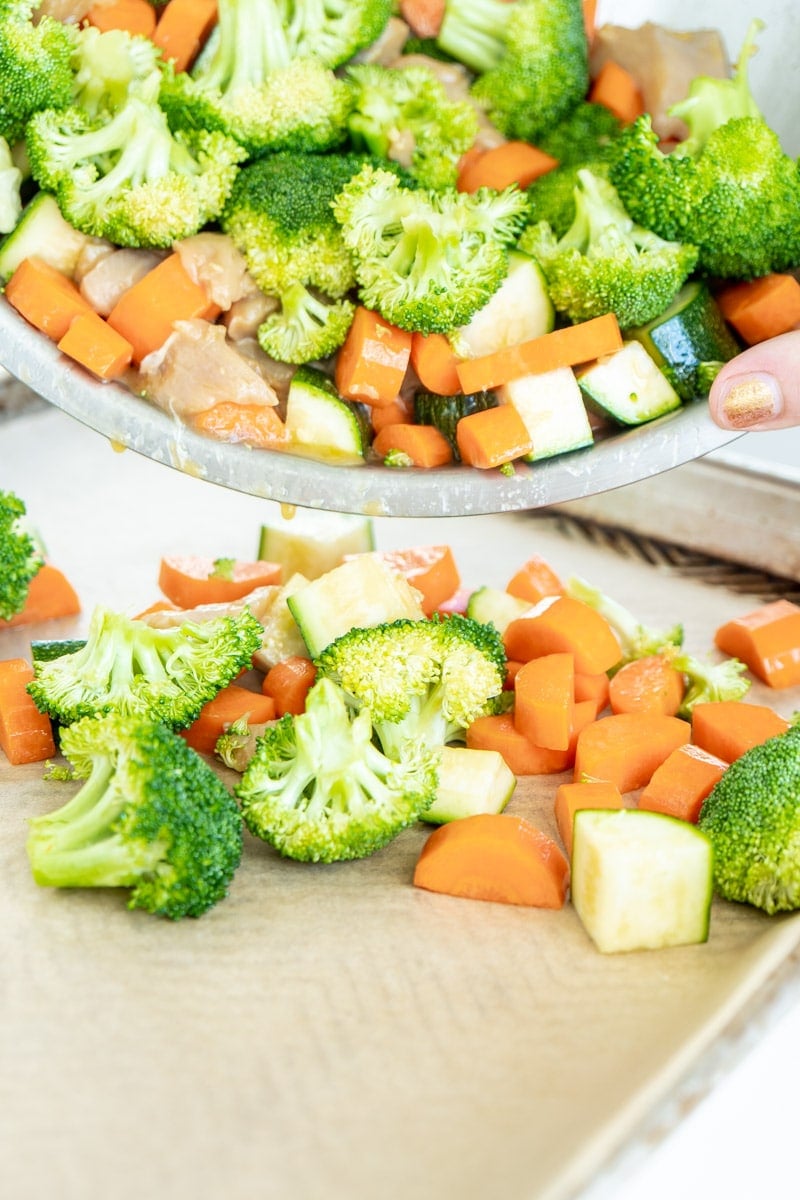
[
  {"x": 423, "y": 681},
  {"x": 318, "y": 789},
  {"x": 279, "y": 215},
  {"x": 405, "y": 115},
  {"x": 129, "y": 178},
  {"x": 474, "y": 33},
  {"x": 636, "y": 639},
  {"x": 607, "y": 263},
  {"x": 585, "y": 135},
  {"x": 752, "y": 816},
  {"x": 427, "y": 260},
  {"x": 10, "y": 189},
  {"x": 20, "y": 557},
  {"x": 333, "y": 31},
  {"x": 707, "y": 682},
  {"x": 729, "y": 188},
  {"x": 306, "y": 328},
  {"x": 151, "y": 816},
  {"x": 543, "y": 70},
  {"x": 106, "y": 64},
  {"x": 299, "y": 106},
  {"x": 133, "y": 668},
  {"x": 35, "y": 65}
]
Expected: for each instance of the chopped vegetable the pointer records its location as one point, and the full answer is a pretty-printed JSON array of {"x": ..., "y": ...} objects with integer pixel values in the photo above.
[
  {"x": 564, "y": 624},
  {"x": 288, "y": 684},
  {"x": 20, "y": 558},
  {"x": 544, "y": 700},
  {"x": 231, "y": 704},
  {"x": 26, "y": 735},
  {"x": 573, "y": 797},
  {"x": 626, "y": 748},
  {"x": 728, "y": 728},
  {"x": 680, "y": 785},
  {"x": 767, "y": 639},
  {"x": 192, "y": 580}
]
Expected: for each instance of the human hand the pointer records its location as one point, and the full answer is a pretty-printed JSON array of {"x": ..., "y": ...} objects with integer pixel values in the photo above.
[{"x": 760, "y": 388}]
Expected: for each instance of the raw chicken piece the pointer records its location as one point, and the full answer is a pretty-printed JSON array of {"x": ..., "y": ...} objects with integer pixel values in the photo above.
[
  {"x": 114, "y": 273},
  {"x": 213, "y": 262}
]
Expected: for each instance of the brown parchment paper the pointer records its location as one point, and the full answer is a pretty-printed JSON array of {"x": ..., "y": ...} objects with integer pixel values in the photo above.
[{"x": 326, "y": 1031}]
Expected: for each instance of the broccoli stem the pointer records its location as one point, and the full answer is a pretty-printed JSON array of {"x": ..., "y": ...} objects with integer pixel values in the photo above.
[
  {"x": 474, "y": 32},
  {"x": 248, "y": 45}
]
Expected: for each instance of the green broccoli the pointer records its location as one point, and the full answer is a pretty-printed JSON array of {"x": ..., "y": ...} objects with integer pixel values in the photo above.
[
  {"x": 605, "y": 262},
  {"x": 20, "y": 556},
  {"x": 729, "y": 188},
  {"x": 128, "y": 178},
  {"x": 707, "y": 682},
  {"x": 35, "y": 65},
  {"x": 306, "y": 328},
  {"x": 133, "y": 668},
  {"x": 584, "y": 136},
  {"x": 279, "y": 215},
  {"x": 318, "y": 789},
  {"x": 423, "y": 681},
  {"x": 406, "y": 115},
  {"x": 636, "y": 639},
  {"x": 531, "y": 58},
  {"x": 151, "y": 816},
  {"x": 752, "y": 816},
  {"x": 427, "y": 260},
  {"x": 106, "y": 64},
  {"x": 333, "y": 31}
]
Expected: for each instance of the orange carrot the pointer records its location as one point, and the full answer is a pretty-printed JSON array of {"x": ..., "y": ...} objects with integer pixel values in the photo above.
[
  {"x": 617, "y": 90},
  {"x": 45, "y": 297},
  {"x": 423, "y": 17},
  {"x": 431, "y": 570},
  {"x": 590, "y": 19},
  {"x": 562, "y": 623},
  {"x": 588, "y": 793},
  {"x": 567, "y": 347},
  {"x": 497, "y": 732},
  {"x": 499, "y": 167},
  {"x": 257, "y": 425},
  {"x": 26, "y": 735},
  {"x": 134, "y": 16},
  {"x": 372, "y": 363},
  {"x": 147, "y": 311},
  {"x": 768, "y": 640},
  {"x": 494, "y": 856},
  {"x": 626, "y": 748},
  {"x": 592, "y": 687},
  {"x": 50, "y": 595},
  {"x": 183, "y": 28},
  {"x": 492, "y": 437},
  {"x": 761, "y": 308},
  {"x": 726, "y": 728},
  {"x": 191, "y": 580},
  {"x": 680, "y": 785},
  {"x": 513, "y": 669},
  {"x": 156, "y": 607},
  {"x": 649, "y": 684},
  {"x": 95, "y": 345},
  {"x": 232, "y": 703},
  {"x": 544, "y": 700},
  {"x": 423, "y": 445},
  {"x": 288, "y": 683},
  {"x": 399, "y": 412},
  {"x": 534, "y": 580},
  {"x": 435, "y": 362}
]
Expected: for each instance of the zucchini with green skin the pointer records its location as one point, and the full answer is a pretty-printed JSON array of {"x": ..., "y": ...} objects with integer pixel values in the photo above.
[
  {"x": 627, "y": 387},
  {"x": 552, "y": 408},
  {"x": 493, "y": 606},
  {"x": 686, "y": 338},
  {"x": 46, "y": 649},
  {"x": 520, "y": 310},
  {"x": 321, "y": 424},
  {"x": 313, "y": 542},
  {"x": 41, "y": 232},
  {"x": 444, "y": 412},
  {"x": 470, "y": 782}
]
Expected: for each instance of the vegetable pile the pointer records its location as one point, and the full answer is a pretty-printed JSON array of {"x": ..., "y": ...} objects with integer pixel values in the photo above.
[
  {"x": 331, "y": 697},
  {"x": 412, "y": 234}
]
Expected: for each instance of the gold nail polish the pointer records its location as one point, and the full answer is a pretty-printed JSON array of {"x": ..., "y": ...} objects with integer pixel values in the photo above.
[{"x": 749, "y": 402}]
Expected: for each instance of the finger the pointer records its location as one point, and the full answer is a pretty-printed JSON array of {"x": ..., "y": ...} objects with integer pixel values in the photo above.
[{"x": 760, "y": 388}]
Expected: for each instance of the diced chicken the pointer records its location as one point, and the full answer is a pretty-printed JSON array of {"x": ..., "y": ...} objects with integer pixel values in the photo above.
[
  {"x": 385, "y": 49},
  {"x": 663, "y": 62},
  {"x": 71, "y": 11},
  {"x": 114, "y": 273},
  {"x": 212, "y": 260},
  {"x": 244, "y": 316},
  {"x": 277, "y": 374},
  {"x": 89, "y": 255},
  {"x": 197, "y": 367},
  {"x": 259, "y": 601}
]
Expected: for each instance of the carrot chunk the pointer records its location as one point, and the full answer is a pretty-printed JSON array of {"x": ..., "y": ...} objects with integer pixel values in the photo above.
[
  {"x": 534, "y": 580},
  {"x": 50, "y": 596},
  {"x": 680, "y": 785},
  {"x": 649, "y": 684},
  {"x": 95, "y": 345},
  {"x": 183, "y": 28},
  {"x": 422, "y": 445},
  {"x": 257, "y": 425},
  {"x": 727, "y": 728},
  {"x": 232, "y": 703},
  {"x": 435, "y": 363},
  {"x": 288, "y": 682},
  {"x": 761, "y": 308},
  {"x": 26, "y": 735},
  {"x": 499, "y": 167},
  {"x": 592, "y": 687},
  {"x": 45, "y": 297},
  {"x": 767, "y": 639},
  {"x": 544, "y": 700},
  {"x": 432, "y": 570},
  {"x": 563, "y": 624},
  {"x": 626, "y": 748},
  {"x": 134, "y": 16},
  {"x": 147, "y": 311},
  {"x": 492, "y": 437},
  {"x": 191, "y": 580},
  {"x": 494, "y": 856},
  {"x": 617, "y": 90},
  {"x": 498, "y": 732},
  {"x": 372, "y": 363}
]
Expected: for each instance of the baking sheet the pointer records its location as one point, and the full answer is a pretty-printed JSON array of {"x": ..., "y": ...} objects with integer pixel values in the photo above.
[{"x": 328, "y": 1031}]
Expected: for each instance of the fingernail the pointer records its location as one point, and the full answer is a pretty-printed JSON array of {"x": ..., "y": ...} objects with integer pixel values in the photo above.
[{"x": 751, "y": 402}]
